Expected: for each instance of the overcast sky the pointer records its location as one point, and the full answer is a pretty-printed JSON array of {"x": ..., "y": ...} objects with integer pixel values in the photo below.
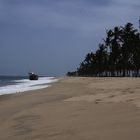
[{"x": 52, "y": 37}]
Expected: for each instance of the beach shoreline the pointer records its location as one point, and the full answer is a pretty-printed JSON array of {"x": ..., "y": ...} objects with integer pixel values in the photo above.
[{"x": 74, "y": 108}]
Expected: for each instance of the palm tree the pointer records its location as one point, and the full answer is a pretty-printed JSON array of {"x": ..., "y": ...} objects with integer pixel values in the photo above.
[
  {"x": 118, "y": 55},
  {"x": 136, "y": 55},
  {"x": 101, "y": 60},
  {"x": 113, "y": 43},
  {"x": 128, "y": 46}
]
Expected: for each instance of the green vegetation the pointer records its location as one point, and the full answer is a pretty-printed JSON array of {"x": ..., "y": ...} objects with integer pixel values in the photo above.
[{"x": 117, "y": 56}]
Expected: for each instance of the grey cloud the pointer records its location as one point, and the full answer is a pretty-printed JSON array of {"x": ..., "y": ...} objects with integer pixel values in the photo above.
[
  {"x": 93, "y": 2},
  {"x": 83, "y": 17}
]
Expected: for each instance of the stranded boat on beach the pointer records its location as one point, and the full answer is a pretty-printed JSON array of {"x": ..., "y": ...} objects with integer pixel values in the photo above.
[{"x": 33, "y": 76}]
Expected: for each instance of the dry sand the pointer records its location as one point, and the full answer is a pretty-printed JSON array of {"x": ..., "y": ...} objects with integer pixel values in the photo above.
[{"x": 74, "y": 109}]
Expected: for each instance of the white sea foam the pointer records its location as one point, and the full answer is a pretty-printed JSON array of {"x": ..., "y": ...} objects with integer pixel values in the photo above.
[{"x": 27, "y": 85}]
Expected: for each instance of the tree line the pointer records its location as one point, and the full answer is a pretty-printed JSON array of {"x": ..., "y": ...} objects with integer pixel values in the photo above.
[{"x": 117, "y": 56}]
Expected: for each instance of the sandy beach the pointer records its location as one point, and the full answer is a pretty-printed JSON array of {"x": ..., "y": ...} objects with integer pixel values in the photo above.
[{"x": 74, "y": 108}]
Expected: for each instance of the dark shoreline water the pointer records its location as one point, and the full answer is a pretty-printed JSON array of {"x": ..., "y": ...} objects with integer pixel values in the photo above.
[{"x": 10, "y": 80}]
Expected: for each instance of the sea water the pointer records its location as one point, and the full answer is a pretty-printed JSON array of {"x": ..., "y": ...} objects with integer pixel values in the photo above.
[{"x": 17, "y": 84}]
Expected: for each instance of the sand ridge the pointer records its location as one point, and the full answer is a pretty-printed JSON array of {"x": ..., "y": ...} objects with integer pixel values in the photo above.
[{"x": 112, "y": 90}]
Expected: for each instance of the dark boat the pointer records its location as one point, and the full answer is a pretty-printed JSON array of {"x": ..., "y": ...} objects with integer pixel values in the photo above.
[{"x": 33, "y": 76}]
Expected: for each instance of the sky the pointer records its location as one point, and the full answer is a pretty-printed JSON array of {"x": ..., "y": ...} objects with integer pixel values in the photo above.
[{"x": 52, "y": 37}]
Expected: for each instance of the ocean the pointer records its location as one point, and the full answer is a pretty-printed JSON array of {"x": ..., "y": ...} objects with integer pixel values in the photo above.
[{"x": 17, "y": 84}]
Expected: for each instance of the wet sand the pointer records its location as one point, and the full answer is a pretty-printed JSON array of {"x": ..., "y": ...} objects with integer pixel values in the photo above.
[{"x": 74, "y": 109}]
